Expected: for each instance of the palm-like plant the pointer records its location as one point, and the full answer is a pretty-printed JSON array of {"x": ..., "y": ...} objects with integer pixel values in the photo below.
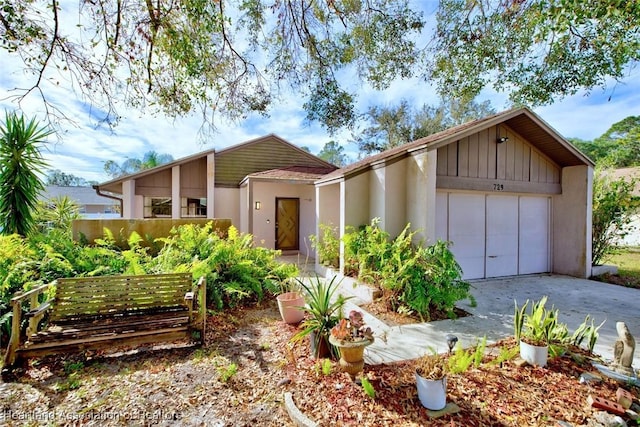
[
  {"x": 58, "y": 212},
  {"x": 21, "y": 162},
  {"x": 324, "y": 309}
]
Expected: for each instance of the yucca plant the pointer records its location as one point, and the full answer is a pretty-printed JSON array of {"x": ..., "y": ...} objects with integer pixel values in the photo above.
[
  {"x": 324, "y": 308},
  {"x": 20, "y": 164}
]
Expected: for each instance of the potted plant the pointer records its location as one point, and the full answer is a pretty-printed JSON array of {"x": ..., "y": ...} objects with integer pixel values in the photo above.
[
  {"x": 535, "y": 330},
  {"x": 351, "y": 336},
  {"x": 290, "y": 302},
  {"x": 431, "y": 380},
  {"x": 324, "y": 310}
]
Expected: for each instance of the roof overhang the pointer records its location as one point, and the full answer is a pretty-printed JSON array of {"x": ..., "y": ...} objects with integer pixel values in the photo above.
[{"x": 522, "y": 121}]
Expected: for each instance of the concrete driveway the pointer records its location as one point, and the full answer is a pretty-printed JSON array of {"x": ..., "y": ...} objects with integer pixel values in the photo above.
[{"x": 493, "y": 315}]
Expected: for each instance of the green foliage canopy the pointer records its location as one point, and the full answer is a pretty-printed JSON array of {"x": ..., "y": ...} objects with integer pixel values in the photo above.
[
  {"x": 537, "y": 50},
  {"x": 58, "y": 177},
  {"x": 149, "y": 160},
  {"x": 614, "y": 204},
  {"x": 391, "y": 126},
  {"x": 333, "y": 153},
  {"x": 216, "y": 57},
  {"x": 618, "y": 147}
]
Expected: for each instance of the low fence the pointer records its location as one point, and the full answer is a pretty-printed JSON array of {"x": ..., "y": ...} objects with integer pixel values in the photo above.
[{"x": 88, "y": 230}]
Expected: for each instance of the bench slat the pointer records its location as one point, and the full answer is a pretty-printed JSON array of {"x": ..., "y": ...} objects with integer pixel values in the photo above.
[
  {"x": 100, "y": 312},
  {"x": 86, "y": 296},
  {"x": 107, "y": 337}
]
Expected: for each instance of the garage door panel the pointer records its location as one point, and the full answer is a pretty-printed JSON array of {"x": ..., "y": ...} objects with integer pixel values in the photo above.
[
  {"x": 502, "y": 236},
  {"x": 467, "y": 232},
  {"x": 496, "y": 235},
  {"x": 534, "y": 227}
]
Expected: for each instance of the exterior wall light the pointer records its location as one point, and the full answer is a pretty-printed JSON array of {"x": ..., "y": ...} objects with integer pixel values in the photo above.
[
  {"x": 258, "y": 206},
  {"x": 502, "y": 139}
]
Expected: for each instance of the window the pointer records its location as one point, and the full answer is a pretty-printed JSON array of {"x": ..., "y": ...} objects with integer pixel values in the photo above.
[
  {"x": 193, "y": 208},
  {"x": 157, "y": 207}
]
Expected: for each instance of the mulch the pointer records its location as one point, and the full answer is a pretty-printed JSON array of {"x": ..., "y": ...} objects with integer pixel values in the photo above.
[{"x": 188, "y": 386}]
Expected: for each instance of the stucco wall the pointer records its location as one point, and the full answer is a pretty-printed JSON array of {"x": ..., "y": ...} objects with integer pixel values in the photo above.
[
  {"x": 572, "y": 223},
  {"x": 421, "y": 195},
  {"x": 395, "y": 216},
  {"x": 376, "y": 191},
  {"x": 243, "y": 206},
  {"x": 264, "y": 220},
  {"x": 227, "y": 204},
  {"x": 355, "y": 200},
  {"x": 328, "y": 204}
]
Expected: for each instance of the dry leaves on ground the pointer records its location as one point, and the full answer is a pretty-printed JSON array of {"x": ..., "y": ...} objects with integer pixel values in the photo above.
[{"x": 240, "y": 376}]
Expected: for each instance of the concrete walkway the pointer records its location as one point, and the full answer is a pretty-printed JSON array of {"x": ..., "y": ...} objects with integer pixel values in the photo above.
[{"x": 493, "y": 315}]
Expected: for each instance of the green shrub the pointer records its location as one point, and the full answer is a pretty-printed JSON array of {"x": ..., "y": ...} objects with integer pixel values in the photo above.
[
  {"x": 237, "y": 272},
  {"x": 414, "y": 277},
  {"x": 614, "y": 205},
  {"x": 328, "y": 247}
]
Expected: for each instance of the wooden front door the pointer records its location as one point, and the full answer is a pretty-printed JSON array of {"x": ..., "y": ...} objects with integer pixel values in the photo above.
[{"x": 287, "y": 216}]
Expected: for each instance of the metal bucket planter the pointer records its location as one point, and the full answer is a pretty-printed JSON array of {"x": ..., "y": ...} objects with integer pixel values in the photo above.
[{"x": 432, "y": 393}]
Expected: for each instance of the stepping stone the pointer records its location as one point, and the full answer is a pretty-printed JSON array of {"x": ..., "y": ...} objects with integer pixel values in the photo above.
[{"x": 450, "y": 409}]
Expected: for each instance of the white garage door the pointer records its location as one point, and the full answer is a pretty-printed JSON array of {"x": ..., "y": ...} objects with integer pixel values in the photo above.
[{"x": 495, "y": 235}]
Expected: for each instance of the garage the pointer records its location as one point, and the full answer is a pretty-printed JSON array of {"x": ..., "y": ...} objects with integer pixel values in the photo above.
[
  {"x": 496, "y": 235},
  {"x": 511, "y": 195}
]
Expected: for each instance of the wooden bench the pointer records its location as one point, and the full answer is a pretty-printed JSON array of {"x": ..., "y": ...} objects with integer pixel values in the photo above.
[{"x": 105, "y": 311}]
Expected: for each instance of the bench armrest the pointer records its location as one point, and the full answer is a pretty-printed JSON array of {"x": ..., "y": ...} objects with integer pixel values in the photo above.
[
  {"x": 35, "y": 314},
  {"x": 40, "y": 310},
  {"x": 198, "y": 296}
]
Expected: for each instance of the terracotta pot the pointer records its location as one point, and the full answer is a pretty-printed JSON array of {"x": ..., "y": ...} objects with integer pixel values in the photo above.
[
  {"x": 320, "y": 348},
  {"x": 533, "y": 354},
  {"x": 351, "y": 354},
  {"x": 288, "y": 304}
]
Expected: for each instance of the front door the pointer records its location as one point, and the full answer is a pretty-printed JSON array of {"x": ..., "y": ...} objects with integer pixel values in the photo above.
[{"x": 287, "y": 215}]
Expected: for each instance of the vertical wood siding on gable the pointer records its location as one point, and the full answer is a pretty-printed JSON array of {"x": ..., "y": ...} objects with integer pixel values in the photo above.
[
  {"x": 155, "y": 185},
  {"x": 193, "y": 179},
  {"x": 480, "y": 157}
]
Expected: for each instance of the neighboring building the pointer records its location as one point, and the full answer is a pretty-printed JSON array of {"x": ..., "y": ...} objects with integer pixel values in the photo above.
[
  {"x": 511, "y": 195},
  {"x": 633, "y": 238},
  {"x": 265, "y": 186},
  {"x": 91, "y": 204}
]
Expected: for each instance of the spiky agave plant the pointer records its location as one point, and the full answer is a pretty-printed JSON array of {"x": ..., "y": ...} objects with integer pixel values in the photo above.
[{"x": 20, "y": 164}]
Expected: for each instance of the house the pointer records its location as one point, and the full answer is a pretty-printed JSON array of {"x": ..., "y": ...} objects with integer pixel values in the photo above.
[
  {"x": 90, "y": 204},
  {"x": 265, "y": 186},
  {"x": 632, "y": 173},
  {"x": 511, "y": 195}
]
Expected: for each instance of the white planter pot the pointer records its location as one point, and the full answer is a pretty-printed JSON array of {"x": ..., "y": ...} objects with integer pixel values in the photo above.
[
  {"x": 534, "y": 355},
  {"x": 432, "y": 393}
]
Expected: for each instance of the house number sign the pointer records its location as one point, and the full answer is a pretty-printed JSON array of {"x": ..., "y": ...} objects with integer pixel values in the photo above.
[{"x": 498, "y": 187}]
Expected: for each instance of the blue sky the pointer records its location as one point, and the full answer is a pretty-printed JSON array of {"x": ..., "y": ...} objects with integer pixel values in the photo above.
[{"x": 82, "y": 149}]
